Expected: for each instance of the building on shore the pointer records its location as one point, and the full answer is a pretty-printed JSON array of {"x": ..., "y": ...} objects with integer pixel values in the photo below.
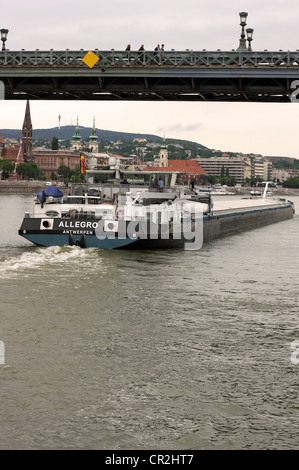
[
  {"x": 215, "y": 166},
  {"x": 281, "y": 174},
  {"x": 10, "y": 154},
  {"x": 2, "y": 144},
  {"x": 163, "y": 154},
  {"x": 263, "y": 169},
  {"x": 17, "y": 154},
  {"x": 247, "y": 169},
  {"x": 77, "y": 139},
  {"x": 187, "y": 170},
  {"x": 49, "y": 161},
  {"x": 161, "y": 160},
  {"x": 93, "y": 139},
  {"x": 27, "y": 150},
  {"x": 96, "y": 161}
]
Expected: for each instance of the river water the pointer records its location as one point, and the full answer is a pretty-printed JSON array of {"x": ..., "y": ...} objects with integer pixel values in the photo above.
[{"x": 149, "y": 350}]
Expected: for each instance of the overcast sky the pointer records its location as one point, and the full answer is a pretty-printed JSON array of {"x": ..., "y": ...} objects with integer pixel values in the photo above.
[{"x": 269, "y": 129}]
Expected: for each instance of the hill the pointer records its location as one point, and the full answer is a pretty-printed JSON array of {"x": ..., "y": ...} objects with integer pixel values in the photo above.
[{"x": 67, "y": 132}]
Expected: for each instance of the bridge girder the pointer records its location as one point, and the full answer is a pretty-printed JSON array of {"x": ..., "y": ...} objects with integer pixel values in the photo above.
[{"x": 177, "y": 76}]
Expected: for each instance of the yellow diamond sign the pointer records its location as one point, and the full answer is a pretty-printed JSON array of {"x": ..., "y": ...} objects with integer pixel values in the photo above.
[{"x": 90, "y": 59}]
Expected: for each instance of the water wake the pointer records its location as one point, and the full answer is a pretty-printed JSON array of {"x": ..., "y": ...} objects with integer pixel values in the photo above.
[{"x": 35, "y": 259}]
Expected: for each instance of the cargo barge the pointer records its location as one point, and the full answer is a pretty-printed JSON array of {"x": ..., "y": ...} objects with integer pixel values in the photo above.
[{"x": 144, "y": 217}]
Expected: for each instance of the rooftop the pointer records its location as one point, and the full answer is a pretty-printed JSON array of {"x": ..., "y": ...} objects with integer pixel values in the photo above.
[{"x": 182, "y": 166}]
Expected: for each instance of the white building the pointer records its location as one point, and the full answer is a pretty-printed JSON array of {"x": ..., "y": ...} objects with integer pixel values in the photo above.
[
  {"x": 263, "y": 170},
  {"x": 281, "y": 174},
  {"x": 163, "y": 154},
  {"x": 93, "y": 139}
]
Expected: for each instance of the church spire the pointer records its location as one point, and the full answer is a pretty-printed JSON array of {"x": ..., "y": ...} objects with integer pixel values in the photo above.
[
  {"x": 27, "y": 135},
  {"x": 77, "y": 136},
  {"x": 93, "y": 138},
  {"x": 163, "y": 145},
  {"x": 27, "y": 119},
  {"x": 77, "y": 139},
  {"x": 93, "y": 135},
  {"x": 163, "y": 153}
]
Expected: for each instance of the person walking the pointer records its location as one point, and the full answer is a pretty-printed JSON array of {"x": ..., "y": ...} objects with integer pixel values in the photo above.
[
  {"x": 157, "y": 53},
  {"x": 141, "y": 55},
  {"x": 128, "y": 48},
  {"x": 162, "y": 52}
]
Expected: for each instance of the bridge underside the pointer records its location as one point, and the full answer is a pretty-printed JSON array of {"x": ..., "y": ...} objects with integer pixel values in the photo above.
[
  {"x": 142, "y": 88},
  {"x": 173, "y": 76}
]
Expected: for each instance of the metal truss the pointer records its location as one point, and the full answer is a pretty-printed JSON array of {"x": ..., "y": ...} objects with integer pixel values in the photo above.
[{"x": 148, "y": 75}]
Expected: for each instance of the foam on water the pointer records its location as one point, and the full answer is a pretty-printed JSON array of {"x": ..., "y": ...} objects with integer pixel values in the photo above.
[
  {"x": 121, "y": 349},
  {"x": 34, "y": 259}
]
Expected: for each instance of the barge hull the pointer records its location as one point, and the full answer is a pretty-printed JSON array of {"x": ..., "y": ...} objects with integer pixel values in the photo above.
[
  {"x": 220, "y": 224},
  {"x": 225, "y": 224},
  {"x": 230, "y": 223}
]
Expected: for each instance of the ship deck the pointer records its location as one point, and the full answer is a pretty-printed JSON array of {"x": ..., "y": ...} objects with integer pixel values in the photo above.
[{"x": 221, "y": 207}]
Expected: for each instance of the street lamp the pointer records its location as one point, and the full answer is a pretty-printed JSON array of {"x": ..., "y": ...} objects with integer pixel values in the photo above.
[
  {"x": 243, "y": 18},
  {"x": 249, "y": 32},
  {"x": 4, "y": 33}
]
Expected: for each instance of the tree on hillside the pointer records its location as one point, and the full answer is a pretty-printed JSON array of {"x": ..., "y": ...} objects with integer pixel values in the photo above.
[{"x": 54, "y": 144}]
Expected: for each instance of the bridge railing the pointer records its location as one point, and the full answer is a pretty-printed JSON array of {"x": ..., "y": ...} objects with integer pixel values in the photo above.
[{"x": 173, "y": 58}]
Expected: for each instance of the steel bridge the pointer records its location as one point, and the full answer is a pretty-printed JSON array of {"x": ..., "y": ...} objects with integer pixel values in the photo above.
[{"x": 134, "y": 75}]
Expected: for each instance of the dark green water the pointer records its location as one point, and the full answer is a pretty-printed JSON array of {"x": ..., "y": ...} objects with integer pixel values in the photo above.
[{"x": 149, "y": 350}]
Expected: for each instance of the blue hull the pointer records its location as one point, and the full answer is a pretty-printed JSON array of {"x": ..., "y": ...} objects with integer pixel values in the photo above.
[{"x": 90, "y": 241}]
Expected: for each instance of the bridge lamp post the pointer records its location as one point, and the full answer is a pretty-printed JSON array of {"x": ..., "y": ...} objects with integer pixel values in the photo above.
[
  {"x": 4, "y": 33},
  {"x": 243, "y": 18},
  {"x": 249, "y": 32}
]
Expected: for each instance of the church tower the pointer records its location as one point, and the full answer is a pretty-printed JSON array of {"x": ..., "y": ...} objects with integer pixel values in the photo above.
[
  {"x": 77, "y": 140},
  {"x": 27, "y": 136},
  {"x": 163, "y": 154},
  {"x": 93, "y": 139}
]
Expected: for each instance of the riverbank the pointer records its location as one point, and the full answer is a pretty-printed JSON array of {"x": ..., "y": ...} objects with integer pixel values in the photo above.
[
  {"x": 22, "y": 187},
  {"x": 33, "y": 187}
]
